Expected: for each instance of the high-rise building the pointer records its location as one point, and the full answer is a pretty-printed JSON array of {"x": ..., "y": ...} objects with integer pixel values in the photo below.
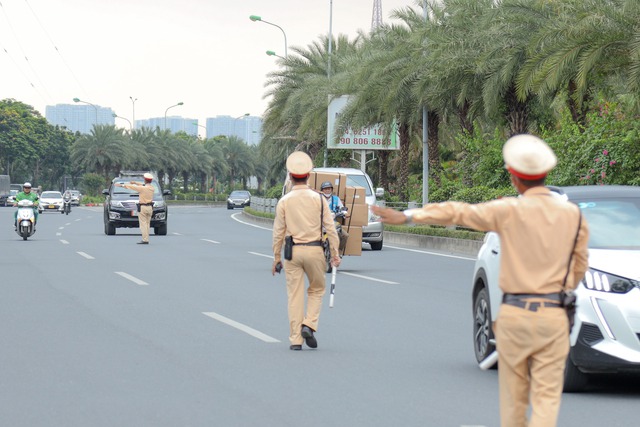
[
  {"x": 79, "y": 118},
  {"x": 247, "y": 128},
  {"x": 173, "y": 123}
]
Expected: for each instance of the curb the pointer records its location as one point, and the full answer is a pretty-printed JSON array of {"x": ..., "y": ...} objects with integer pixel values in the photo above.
[{"x": 445, "y": 244}]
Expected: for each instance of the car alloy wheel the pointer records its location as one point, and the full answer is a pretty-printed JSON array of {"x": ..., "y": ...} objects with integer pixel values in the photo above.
[{"x": 482, "y": 327}]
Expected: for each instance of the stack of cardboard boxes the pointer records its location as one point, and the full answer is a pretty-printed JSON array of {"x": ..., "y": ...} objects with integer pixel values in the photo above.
[{"x": 354, "y": 200}]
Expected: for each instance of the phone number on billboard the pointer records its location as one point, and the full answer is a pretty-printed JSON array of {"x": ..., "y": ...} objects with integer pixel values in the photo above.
[{"x": 363, "y": 141}]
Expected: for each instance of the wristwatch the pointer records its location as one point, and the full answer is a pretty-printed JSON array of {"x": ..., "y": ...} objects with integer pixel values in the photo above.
[{"x": 409, "y": 216}]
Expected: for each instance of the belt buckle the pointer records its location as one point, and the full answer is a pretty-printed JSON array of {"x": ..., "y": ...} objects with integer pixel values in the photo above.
[{"x": 533, "y": 306}]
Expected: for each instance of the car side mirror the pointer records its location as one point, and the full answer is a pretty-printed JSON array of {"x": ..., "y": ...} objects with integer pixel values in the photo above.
[
  {"x": 166, "y": 193},
  {"x": 105, "y": 192},
  {"x": 379, "y": 192}
]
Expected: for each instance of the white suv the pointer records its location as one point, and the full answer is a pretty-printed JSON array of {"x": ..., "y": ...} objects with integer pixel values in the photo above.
[{"x": 606, "y": 335}]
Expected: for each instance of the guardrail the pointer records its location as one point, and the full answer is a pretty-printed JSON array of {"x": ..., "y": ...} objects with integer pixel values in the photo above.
[{"x": 262, "y": 204}]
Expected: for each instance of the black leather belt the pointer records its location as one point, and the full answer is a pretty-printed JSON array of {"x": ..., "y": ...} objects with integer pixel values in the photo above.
[
  {"x": 522, "y": 300},
  {"x": 316, "y": 243}
]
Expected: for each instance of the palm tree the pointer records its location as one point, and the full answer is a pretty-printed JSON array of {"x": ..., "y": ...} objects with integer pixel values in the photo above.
[
  {"x": 103, "y": 151},
  {"x": 236, "y": 154}
]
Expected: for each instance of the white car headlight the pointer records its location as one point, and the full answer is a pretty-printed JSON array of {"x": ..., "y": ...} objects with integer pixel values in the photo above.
[
  {"x": 598, "y": 281},
  {"x": 116, "y": 204},
  {"x": 159, "y": 204}
]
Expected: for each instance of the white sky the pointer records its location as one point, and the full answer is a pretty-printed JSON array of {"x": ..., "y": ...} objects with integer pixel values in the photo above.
[{"x": 205, "y": 53}]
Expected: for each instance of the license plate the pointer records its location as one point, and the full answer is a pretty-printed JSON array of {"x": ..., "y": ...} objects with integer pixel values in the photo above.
[
  {"x": 134, "y": 213},
  {"x": 52, "y": 206}
]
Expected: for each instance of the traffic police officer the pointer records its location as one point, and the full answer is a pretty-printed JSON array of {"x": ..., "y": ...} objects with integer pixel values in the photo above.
[
  {"x": 544, "y": 249},
  {"x": 301, "y": 214},
  {"x": 146, "y": 204}
]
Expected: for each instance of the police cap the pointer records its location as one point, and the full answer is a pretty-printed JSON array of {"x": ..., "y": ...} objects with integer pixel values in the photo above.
[
  {"x": 528, "y": 157},
  {"x": 299, "y": 164}
]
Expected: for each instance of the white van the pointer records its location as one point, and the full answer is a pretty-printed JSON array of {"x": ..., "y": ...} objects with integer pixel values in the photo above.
[{"x": 373, "y": 232}]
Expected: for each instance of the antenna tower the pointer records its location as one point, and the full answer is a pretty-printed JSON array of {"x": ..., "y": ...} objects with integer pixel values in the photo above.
[{"x": 376, "y": 16}]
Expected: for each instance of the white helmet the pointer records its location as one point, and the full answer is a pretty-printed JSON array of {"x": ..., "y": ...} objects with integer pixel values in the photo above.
[{"x": 26, "y": 185}]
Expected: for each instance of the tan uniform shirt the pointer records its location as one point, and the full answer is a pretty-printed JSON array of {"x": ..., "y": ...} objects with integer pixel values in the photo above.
[
  {"x": 537, "y": 233},
  {"x": 146, "y": 192},
  {"x": 298, "y": 215}
]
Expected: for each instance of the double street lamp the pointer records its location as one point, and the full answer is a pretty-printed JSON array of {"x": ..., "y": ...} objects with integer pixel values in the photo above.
[
  {"x": 133, "y": 107},
  {"x": 165, "y": 113},
  {"x": 255, "y": 18},
  {"x": 85, "y": 102}
]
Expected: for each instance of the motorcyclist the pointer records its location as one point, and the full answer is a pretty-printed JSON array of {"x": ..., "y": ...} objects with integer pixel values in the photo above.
[
  {"x": 26, "y": 194},
  {"x": 66, "y": 197},
  {"x": 336, "y": 206}
]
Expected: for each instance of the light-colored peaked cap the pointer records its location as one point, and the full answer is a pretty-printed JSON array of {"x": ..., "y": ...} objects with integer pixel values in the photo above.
[{"x": 528, "y": 157}]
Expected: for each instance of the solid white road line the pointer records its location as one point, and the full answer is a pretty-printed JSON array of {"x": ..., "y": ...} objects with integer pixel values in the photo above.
[
  {"x": 368, "y": 278},
  {"x": 262, "y": 255},
  {"x": 132, "y": 278},
  {"x": 64, "y": 242},
  {"x": 87, "y": 256},
  {"x": 210, "y": 241},
  {"x": 244, "y": 328},
  {"x": 234, "y": 216},
  {"x": 430, "y": 253}
]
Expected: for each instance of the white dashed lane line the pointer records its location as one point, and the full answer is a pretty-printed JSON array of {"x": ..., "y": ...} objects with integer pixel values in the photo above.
[
  {"x": 210, "y": 241},
  {"x": 239, "y": 326},
  {"x": 64, "y": 242},
  {"x": 87, "y": 256},
  {"x": 131, "y": 278}
]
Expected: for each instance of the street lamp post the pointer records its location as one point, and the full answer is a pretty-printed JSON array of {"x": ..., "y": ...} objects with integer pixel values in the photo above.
[
  {"x": 272, "y": 53},
  {"x": 133, "y": 108},
  {"x": 123, "y": 118},
  {"x": 235, "y": 120},
  {"x": 330, "y": 42},
  {"x": 255, "y": 18},
  {"x": 85, "y": 102},
  {"x": 203, "y": 127},
  {"x": 165, "y": 113}
]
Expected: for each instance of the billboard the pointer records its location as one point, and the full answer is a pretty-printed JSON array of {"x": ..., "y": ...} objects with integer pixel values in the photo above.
[{"x": 370, "y": 138}]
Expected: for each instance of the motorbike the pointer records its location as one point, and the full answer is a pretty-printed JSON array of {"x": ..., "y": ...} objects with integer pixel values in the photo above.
[
  {"x": 325, "y": 241},
  {"x": 26, "y": 219},
  {"x": 66, "y": 206}
]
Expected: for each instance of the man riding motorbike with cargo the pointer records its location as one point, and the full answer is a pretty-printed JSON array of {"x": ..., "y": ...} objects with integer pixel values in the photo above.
[
  {"x": 26, "y": 194},
  {"x": 336, "y": 207}
]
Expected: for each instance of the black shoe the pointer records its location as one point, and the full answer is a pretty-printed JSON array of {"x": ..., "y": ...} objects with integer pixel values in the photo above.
[
  {"x": 296, "y": 347},
  {"x": 142, "y": 242},
  {"x": 307, "y": 334}
]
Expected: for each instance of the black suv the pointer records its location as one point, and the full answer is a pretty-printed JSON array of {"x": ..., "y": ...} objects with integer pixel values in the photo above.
[{"x": 121, "y": 206}]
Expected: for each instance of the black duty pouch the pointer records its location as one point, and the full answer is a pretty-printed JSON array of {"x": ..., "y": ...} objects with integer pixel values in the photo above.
[
  {"x": 139, "y": 206},
  {"x": 288, "y": 248},
  {"x": 568, "y": 301}
]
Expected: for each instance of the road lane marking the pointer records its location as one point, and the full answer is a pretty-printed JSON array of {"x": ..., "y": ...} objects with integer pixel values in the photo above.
[
  {"x": 210, "y": 241},
  {"x": 87, "y": 256},
  {"x": 176, "y": 234},
  {"x": 263, "y": 255},
  {"x": 244, "y": 328},
  {"x": 58, "y": 234},
  {"x": 131, "y": 278},
  {"x": 78, "y": 219},
  {"x": 64, "y": 242},
  {"x": 234, "y": 217},
  {"x": 67, "y": 224},
  {"x": 60, "y": 228},
  {"x": 431, "y": 253},
  {"x": 368, "y": 278}
]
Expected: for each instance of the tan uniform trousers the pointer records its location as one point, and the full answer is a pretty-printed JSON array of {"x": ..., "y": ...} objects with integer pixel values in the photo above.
[
  {"x": 532, "y": 352},
  {"x": 144, "y": 216},
  {"x": 307, "y": 260}
]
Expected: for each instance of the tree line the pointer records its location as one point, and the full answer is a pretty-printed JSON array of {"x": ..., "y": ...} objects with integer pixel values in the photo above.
[{"x": 566, "y": 70}]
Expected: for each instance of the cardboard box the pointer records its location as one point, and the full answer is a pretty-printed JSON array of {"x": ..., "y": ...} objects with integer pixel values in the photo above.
[
  {"x": 359, "y": 215},
  {"x": 338, "y": 180},
  {"x": 354, "y": 195},
  {"x": 354, "y": 243}
]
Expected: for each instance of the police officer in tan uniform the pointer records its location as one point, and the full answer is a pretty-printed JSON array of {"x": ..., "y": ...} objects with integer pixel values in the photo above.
[
  {"x": 544, "y": 248},
  {"x": 298, "y": 214},
  {"x": 146, "y": 204}
]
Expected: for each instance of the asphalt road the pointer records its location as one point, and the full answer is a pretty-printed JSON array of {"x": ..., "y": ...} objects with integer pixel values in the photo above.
[{"x": 192, "y": 330}]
